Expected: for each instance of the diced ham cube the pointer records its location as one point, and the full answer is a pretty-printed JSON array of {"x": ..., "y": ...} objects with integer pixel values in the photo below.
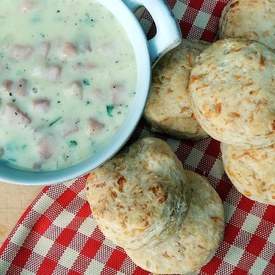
[
  {"x": 45, "y": 148},
  {"x": 95, "y": 126},
  {"x": 21, "y": 52},
  {"x": 21, "y": 88},
  {"x": 15, "y": 115},
  {"x": 27, "y": 5},
  {"x": 69, "y": 50},
  {"x": 117, "y": 93},
  {"x": 89, "y": 66},
  {"x": 76, "y": 89},
  {"x": 42, "y": 105},
  {"x": 8, "y": 85},
  {"x": 17, "y": 89}
]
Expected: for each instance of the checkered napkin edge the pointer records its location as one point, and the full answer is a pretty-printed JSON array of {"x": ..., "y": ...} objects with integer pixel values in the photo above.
[{"x": 57, "y": 234}]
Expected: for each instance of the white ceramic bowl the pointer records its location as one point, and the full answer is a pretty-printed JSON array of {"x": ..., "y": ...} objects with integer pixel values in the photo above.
[{"x": 147, "y": 52}]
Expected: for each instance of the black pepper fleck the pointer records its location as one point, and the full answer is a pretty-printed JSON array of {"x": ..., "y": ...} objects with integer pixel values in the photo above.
[
  {"x": 35, "y": 90},
  {"x": 86, "y": 82}
]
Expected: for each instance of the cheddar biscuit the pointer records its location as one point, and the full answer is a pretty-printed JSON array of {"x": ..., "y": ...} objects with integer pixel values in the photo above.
[
  {"x": 252, "y": 20},
  {"x": 140, "y": 194},
  {"x": 232, "y": 89},
  {"x": 186, "y": 250},
  {"x": 168, "y": 109},
  {"x": 251, "y": 171}
]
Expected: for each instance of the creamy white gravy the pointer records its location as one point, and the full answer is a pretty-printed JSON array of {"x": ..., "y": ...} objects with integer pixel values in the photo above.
[{"x": 67, "y": 77}]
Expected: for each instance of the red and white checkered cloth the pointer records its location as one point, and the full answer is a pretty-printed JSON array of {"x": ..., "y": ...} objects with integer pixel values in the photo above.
[{"x": 57, "y": 235}]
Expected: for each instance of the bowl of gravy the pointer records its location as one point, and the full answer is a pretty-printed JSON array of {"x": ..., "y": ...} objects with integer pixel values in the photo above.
[{"x": 74, "y": 80}]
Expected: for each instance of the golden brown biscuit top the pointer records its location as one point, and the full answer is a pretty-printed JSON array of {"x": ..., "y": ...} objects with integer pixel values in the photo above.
[
  {"x": 232, "y": 87},
  {"x": 139, "y": 193},
  {"x": 169, "y": 106},
  {"x": 253, "y": 20},
  {"x": 252, "y": 171},
  {"x": 187, "y": 249}
]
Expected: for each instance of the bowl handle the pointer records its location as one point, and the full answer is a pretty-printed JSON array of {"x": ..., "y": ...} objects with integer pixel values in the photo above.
[{"x": 168, "y": 34}]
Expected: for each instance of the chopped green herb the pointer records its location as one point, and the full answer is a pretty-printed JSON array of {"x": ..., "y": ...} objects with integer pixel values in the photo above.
[
  {"x": 110, "y": 109},
  {"x": 86, "y": 82},
  {"x": 34, "y": 90},
  {"x": 73, "y": 143},
  {"x": 55, "y": 121}
]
